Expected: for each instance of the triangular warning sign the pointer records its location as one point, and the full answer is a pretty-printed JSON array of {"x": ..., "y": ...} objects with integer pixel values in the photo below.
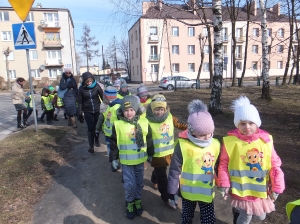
[{"x": 24, "y": 38}]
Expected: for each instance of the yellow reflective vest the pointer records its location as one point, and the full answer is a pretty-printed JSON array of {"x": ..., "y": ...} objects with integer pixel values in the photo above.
[
  {"x": 197, "y": 176},
  {"x": 59, "y": 101},
  {"x": 30, "y": 103},
  {"x": 290, "y": 207},
  {"x": 145, "y": 105},
  {"x": 126, "y": 141},
  {"x": 249, "y": 166},
  {"x": 110, "y": 115},
  {"x": 163, "y": 137},
  {"x": 48, "y": 102},
  {"x": 120, "y": 96}
]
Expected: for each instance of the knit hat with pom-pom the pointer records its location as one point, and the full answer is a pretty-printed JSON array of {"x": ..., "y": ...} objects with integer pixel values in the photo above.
[
  {"x": 142, "y": 90},
  {"x": 245, "y": 111},
  {"x": 200, "y": 121}
]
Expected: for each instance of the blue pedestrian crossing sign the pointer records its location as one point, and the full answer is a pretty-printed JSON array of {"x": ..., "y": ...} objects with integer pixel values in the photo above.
[{"x": 24, "y": 36}]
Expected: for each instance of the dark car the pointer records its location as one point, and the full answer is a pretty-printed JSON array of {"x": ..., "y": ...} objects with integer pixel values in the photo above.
[{"x": 181, "y": 82}]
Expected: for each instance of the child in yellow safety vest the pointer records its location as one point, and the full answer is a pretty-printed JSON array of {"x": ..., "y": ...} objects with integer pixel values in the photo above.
[
  {"x": 293, "y": 211},
  {"x": 162, "y": 126},
  {"x": 145, "y": 98},
  {"x": 58, "y": 105},
  {"x": 249, "y": 169},
  {"x": 131, "y": 143},
  {"x": 29, "y": 105},
  {"x": 193, "y": 165},
  {"x": 123, "y": 91},
  {"x": 46, "y": 103}
]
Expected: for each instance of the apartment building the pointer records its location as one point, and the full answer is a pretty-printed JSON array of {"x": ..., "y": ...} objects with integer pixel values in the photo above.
[
  {"x": 161, "y": 45},
  {"x": 54, "y": 31}
]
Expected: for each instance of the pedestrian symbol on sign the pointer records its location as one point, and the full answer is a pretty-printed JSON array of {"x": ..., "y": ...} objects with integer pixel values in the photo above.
[{"x": 23, "y": 36}]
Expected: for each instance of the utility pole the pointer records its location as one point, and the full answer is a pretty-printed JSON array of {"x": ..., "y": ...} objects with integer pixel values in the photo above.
[{"x": 6, "y": 53}]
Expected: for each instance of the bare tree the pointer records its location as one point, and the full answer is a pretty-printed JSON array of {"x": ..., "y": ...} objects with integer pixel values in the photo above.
[
  {"x": 202, "y": 41},
  {"x": 86, "y": 43},
  {"x": 111, "y": 52},
  {"x": 124, "y": 51},
  {"x": 78, "y": 62}
]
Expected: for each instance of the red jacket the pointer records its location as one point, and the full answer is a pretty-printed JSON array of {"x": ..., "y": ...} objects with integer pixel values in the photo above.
[{"x": 276, "y": 174}]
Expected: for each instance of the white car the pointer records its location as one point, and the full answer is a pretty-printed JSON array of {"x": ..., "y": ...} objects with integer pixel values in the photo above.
[{"x": 181, "y": 82}]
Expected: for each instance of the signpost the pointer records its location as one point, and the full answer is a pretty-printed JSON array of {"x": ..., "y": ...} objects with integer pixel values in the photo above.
[{"x": 24, "y": 38}]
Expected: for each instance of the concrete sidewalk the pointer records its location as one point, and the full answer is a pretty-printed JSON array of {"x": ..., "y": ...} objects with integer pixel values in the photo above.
[{"x": 86, "y": 191}]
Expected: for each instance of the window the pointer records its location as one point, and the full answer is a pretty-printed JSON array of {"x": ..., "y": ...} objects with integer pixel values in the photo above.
[
  {"x": 136, "y": 52},
  {"x": 53, "y": 54},
  {"x": 132, "y": 38},
  {"x": 280, "y": 33},
  {"x": 175, "y": 67},
  {"x": 33, "y": 55},
  {"x": 191, "y": 49},
  {"x": 53, "y": 36},
  {"x": 153, "y": 53},
  {"x": 269, "y": 49},
  {"x": 35, "y": 73},
  {"x": 239, "y": 65},
  {"x": 255, "y": 49},
  {"x": 280, "y": 48},
  {"x": 254, "y": 65},
  {"x": 205, "y": 32},
  {"x": 132, "y": 70},
  {"x": 238, "y": 51},
  {"x": 191, "y": 31},
  {"x": 153, "y": 30},
  {"x": 10, "y": 56},
  {"x": 6, "y": 35},
  {"x": 238, "y": 33},
  {"x": 224, "y": 34},
  {"x": 279, "y": 64},
  {"x": 136, "y": 35},
  {"x": 51, "y": 17},
  {"x": 224, "y": 49},
  {"x": 255, "y": 32},
  {"x": 206, "y": 49},
  {"x": 132, "y": 55},
  {"x": 175, "y": 31},
  {"x": 191, "y": 67},
  {"x": 4, "y": 16},
  {"x": 53, "y": 73},
  {"x": 12, "y": 74},
  {"x": 205, "y": 66},
  {"x": 269, "y": 32},
  {"x": 154, "y": 68},
  {"x": 175, "y": 49},
  {"x": 29, "y": 18},
  {"x": 137, "y": 69}
]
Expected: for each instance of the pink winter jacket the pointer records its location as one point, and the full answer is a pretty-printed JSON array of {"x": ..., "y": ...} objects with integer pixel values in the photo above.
[{"x": 276, "y": 174}]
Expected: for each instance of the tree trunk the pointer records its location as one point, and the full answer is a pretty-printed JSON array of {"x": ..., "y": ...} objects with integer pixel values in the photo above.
[
  {"x": 265, "y": 67},
  {"x": 291, "y": 75},
  {"x": 216, "y": 91},
  {"x": 200, "y": 66}
]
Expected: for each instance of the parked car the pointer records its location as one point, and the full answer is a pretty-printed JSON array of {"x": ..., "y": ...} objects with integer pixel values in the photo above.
[{"x": 181, "y": 82}]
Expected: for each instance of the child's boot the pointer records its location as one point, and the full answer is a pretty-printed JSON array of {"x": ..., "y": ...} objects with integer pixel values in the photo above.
[
  {"x": 130, "y": 210},
  {"x": 138, "y": 207},
  {"x": 55, "y": 117}
]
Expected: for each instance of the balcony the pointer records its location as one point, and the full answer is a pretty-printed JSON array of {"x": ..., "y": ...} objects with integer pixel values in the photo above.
[
  {"x": 239, "y": 39},
  {"x": 52, "y": 43},
  {"x": 53, "y": 63},
  {"x": 238, "y": 56},
  {"x": 225, "y": 38},
  {"x": 153, "y": 39},
  {"x": 154, "y": 57},
  {"x": 50, "y": 24}
]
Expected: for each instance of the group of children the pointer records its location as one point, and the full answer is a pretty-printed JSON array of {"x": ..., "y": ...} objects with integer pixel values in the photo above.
[{"x": 140, "y": 130}]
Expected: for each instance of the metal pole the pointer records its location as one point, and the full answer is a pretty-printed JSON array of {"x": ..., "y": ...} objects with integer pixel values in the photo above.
[{"x": 31, "y": 90}]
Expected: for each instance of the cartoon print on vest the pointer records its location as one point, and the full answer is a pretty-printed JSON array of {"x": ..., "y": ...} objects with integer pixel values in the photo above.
[
  {"x": 164, "y": 132},
  {"x": 206, "y": 164},
  {"x": 108, "y": 116},
  {"x": 255, "y": 162},
  {"x": 131, "y": 135}
]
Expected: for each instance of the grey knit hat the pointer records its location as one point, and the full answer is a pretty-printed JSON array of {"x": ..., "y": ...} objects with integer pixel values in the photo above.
[{"x": 130, "y": 101}]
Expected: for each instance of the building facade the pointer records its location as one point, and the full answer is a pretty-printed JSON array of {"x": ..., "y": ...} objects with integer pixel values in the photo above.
[
  {"x": 55, "y": 44},
  {"x": 161, "y": 46}
]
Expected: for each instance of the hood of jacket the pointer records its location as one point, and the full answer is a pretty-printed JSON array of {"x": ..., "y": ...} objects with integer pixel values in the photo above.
[{"x": 85, "y": 76}]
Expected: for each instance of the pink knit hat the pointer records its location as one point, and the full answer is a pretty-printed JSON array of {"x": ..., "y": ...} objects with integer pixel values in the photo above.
[
  {"x": 142, "y": 90},
  {"x": 200, "y": 121}
]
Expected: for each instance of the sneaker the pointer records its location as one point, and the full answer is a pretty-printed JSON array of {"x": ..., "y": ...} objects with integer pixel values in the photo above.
[
  {"x": 130, "y": 210},
  {"x": 138, "y": 207},
  {"x": 171, "y": 203}
]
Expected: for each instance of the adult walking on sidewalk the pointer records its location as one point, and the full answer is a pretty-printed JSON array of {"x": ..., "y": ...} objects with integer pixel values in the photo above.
[
  {"x": 68, "y": 82},
  {"x": 89, "y": 96},
  {"x": 18, "y": 99}
]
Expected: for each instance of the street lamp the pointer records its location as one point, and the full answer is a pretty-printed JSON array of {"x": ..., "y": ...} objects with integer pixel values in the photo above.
[{"x": 6, "y": 53}]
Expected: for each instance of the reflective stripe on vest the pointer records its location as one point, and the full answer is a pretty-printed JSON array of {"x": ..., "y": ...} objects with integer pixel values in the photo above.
[
  {"x": 30, "y": 103},
  {"x": 197, "y": 176},
  {"x": 47, "y": 102},
  {"x": 128, "y": 150},
  {"x": 110, "y": 115},
  {"x": 249, "y": 166},
  {"x": 163, "y": 137}
]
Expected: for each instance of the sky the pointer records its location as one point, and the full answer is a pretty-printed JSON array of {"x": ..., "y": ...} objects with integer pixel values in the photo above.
[{"x": 98, "y": 14}]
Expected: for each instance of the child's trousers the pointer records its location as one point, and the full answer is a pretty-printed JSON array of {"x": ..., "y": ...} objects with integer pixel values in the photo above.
[
  {"x": 244, "y": 218},
  {"x": 133, "y": 176},
  {"x": 207, "y": 212},
  {"x": 159, "y": 177}
]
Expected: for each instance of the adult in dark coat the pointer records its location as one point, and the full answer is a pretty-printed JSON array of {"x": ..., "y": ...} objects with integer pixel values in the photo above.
[
  {"x": 68, "y": 82},
  {"x": 89, "y": 96}
]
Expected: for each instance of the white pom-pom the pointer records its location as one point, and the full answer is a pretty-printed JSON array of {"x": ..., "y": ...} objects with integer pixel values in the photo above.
[
  {"x": 241, "y": 101},
  {"x": 196, "y": 106}
]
